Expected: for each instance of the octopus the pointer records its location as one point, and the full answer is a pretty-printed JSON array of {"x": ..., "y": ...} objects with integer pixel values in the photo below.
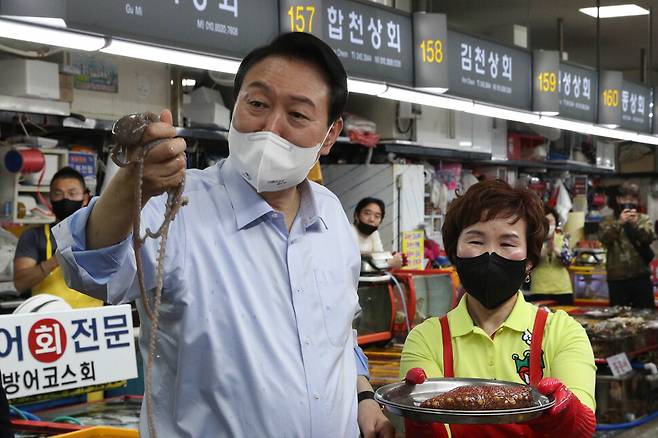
[
  {"x": 130, "y": 151},
  {"x": 482, "y": 398}
]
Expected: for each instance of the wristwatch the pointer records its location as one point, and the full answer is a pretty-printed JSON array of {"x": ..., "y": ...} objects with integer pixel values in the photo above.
[{"x": 365, "y": 395}]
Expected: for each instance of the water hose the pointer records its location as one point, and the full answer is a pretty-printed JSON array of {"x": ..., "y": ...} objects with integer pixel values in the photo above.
[
  {"x": 404, "y": 301},
  {"x": 67, "y": 419},
  {"x": 629, "y": 425},
  {"x": 23, "y": 415}
]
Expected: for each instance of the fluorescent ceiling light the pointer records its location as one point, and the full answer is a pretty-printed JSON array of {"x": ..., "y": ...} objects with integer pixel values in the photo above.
[
  {"x": 599, "y": 131},
  {"x": 650, "y": 139},
  {"x": 188, "y": 82},
  {"x": 503, "y": 113},
  {"x": 435, "y": 90},
  {"x": 46, "y": 21},
  {"x": 171, "y": 56},
  {"x": 53, "y": 37},
  {"x": 569, "y": 125},
  {"x": 365, "y": 87},
  {"x": 406, "y": 95},
  {"x": 613, "y": 11},
  {"x": 471, "y": 107}
]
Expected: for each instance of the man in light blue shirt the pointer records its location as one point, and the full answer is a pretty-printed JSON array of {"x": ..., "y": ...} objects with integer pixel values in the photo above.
[{"x": 261, "y": 267}]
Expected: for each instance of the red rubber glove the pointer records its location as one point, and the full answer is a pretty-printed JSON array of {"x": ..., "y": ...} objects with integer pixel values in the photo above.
[
  {"x": 568, "y": 417},
  {"x": 414, "y": 429}
]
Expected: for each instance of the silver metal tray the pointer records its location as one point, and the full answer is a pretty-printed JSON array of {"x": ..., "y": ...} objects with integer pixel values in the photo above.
[{"x": 404, "y": 400}]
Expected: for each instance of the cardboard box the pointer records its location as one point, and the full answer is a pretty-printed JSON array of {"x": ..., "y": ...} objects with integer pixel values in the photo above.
[
  {"x": 645, "y": 165},
  {"x": 29, "y": 78},
  {"x": 66, "y": 88}
]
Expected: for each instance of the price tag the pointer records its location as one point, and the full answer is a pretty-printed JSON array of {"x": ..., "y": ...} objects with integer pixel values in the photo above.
[{"x": 619, "y": 364}]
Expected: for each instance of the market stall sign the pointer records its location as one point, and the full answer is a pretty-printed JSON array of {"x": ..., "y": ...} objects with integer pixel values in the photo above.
[
  {"x": 610, "y": 88},
  {"x": 372, "y": 42},
  {"x": 619, "y": 364},
  {"x": 430, "y": 52},
  {"x": 635, "y": 107},
  {"x": 413, "y": 248},
  {"x": 223, "y": 27},
  {"x": 577, "y": 88},
  {"x": 489, "y": 72},
  {"x": 57, "y": 351},
  {"x": 545, "y": 71}
]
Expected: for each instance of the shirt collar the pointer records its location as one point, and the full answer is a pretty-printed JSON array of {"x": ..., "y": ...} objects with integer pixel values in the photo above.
[
  {"x": 520, "y": 318},
  {"x": 461, "y": 322},
  {"x": 308, "y": 209},
  {"x": 248, "y": 205}
]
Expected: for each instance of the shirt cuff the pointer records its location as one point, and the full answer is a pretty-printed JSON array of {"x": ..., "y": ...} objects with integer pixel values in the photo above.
[
  {"x": 361, "y": 362},
  {"x": 71, "y": 238}
]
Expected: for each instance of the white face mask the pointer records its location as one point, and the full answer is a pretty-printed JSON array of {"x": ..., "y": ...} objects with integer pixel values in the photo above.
[
  {"x": 268, "y": 162},
  {"x": 551, "y": 230}
]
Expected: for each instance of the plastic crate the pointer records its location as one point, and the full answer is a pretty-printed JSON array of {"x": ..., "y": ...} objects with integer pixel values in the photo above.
[{"x": 102, "y": 432}]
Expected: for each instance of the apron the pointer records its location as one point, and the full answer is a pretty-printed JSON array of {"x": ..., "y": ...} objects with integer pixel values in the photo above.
[
  {"x": 438, "y": 430},
  {"x": 54, "y": 283}
]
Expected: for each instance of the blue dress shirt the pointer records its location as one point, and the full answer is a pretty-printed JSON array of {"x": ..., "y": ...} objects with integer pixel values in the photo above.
[{"x": 255, "y": 334}]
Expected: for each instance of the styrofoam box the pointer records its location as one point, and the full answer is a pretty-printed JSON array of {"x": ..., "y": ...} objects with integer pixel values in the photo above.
[{"x": 29, "y": 78}]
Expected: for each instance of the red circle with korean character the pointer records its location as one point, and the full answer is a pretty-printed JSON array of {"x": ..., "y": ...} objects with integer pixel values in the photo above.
[{"x": 47, "y": 340}]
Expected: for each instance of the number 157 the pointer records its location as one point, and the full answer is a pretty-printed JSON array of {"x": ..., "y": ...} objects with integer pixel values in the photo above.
[{"x": 301, "y": 18}]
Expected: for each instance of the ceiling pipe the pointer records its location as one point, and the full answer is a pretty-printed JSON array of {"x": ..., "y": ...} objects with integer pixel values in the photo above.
[
  {"x": 598, "y": 35},
  {"x": 650, "y": 47},
  {"x": 560, "y": 36},
  {"x": 421, "y": 6}
]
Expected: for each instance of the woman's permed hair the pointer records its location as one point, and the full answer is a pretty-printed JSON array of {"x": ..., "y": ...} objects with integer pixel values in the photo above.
[{"x": 492, "y": 199}]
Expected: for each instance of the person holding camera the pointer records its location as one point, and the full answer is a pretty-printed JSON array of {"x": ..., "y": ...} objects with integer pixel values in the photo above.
[{"x": 627, "y": 236}]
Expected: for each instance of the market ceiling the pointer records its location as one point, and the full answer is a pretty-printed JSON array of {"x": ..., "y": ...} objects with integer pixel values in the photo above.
[{"x": 621, "y": 38}]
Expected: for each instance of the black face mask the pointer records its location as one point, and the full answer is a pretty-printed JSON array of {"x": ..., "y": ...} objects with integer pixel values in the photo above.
[
  {"x": 366, "y": 229},
  {"x": 490, "y": 278},
  {"x": 65, "y": 208}
]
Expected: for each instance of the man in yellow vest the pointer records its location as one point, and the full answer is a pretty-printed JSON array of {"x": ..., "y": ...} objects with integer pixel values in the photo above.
[{"x": 35, "y": 267}]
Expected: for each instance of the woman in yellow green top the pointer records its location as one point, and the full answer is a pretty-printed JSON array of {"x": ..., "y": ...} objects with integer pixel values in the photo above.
[
  {"x": 493, "y": 234},
  {"x": 550, "y": 279}
]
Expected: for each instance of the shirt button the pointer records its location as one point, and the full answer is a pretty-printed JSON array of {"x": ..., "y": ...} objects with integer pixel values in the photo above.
[
  {"x": 491, "y": 363},
  {"x": 307, "y": 342},
  {"x": 316, "y": 396},
  {"x": 299, "y": 291}
]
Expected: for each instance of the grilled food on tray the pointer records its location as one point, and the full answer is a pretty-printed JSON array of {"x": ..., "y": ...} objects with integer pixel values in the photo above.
[{"x": 482, "y": 398}]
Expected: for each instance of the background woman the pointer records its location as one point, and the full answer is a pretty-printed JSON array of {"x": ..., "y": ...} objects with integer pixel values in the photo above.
[{"x": 550, "y": 278}]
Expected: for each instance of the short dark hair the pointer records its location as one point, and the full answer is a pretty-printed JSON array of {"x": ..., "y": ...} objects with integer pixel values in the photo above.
[
  {"x": 629, "y": 189},
  {"x": 367, "y": 201},
  {"x": 68, "y": 172},
  {"x": 308, "y": 48},
  {"x": 488, "y": 200}
]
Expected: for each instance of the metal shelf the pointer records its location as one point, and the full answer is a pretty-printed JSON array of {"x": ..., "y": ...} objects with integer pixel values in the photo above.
[
  {"x": 572, "y": 166},
  {"x": 410, "y": 148},
  {"x": 57, "y": 122},
  {"x": 32, "y": 221},
  {"x": 405, "y": 147},
  {"x": 106, "y": 125},
  {"x": 33, "y": 189}
]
